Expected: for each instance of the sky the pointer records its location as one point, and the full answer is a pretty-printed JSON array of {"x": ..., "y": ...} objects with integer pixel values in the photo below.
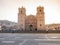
[{"x": 9, "y": 9}]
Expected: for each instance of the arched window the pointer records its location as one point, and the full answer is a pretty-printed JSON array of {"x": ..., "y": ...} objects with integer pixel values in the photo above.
[
  {"x": 40, "y": 24},
  {"x": 21, "y": 11},
  {"x": 40, "y": 10}
]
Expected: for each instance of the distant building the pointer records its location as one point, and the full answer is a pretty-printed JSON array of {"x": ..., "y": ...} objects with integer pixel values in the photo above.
[
  {"x": 53, "y": 26},
  {"x": 31, "y": 22}
]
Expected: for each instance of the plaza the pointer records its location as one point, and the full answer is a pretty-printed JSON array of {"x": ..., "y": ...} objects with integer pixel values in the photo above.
[{"x": 29, "y": 39}]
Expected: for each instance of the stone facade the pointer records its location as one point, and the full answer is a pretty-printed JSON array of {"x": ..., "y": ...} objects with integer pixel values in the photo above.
[{"x": 31, "y": 22}]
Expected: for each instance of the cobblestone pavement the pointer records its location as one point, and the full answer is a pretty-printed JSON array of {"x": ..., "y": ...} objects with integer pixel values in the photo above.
[{"x": 29, "y": 39}]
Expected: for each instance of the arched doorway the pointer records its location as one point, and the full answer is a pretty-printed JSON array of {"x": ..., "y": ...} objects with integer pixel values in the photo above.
[{"x": 30, "y": 27}]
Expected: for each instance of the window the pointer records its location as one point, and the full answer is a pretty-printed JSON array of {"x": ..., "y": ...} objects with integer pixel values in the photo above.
[
  {"x": 40, "y": 10},
  {"x": 40, "y": 24},
  {"x": 21, "y": 11}
]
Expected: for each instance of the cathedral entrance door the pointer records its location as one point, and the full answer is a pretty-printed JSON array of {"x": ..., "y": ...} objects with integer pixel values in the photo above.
[{"x": 30, "y": 26}]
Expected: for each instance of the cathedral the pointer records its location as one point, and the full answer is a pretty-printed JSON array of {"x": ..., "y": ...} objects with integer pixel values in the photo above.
[{"x": 31, "y": 22}]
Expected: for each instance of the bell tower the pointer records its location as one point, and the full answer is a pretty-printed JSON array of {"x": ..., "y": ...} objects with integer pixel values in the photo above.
[
  {"x": 40, "y": 18},
  {"x": 21, "y": 18}
]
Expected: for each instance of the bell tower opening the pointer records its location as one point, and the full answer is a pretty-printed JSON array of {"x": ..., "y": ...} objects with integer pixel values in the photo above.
[
  {"x": 40, "y": 10},
  {"x": 22, "y": 10}
]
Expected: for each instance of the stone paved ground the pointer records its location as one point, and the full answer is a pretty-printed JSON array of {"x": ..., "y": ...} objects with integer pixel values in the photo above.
[{"x": 29, "y": 39}]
